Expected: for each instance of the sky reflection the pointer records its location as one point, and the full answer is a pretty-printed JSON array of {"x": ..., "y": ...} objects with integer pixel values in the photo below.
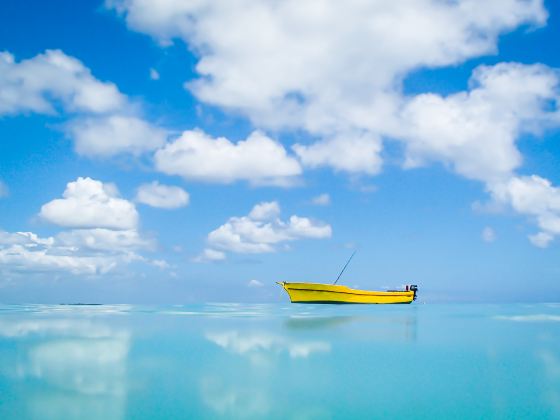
[
  {"x": 70, "y": 367},
  {"x": 251, "y": 361}
]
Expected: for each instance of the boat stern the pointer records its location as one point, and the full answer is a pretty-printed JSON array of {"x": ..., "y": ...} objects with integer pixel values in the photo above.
[{"x": 413, "y": 288}]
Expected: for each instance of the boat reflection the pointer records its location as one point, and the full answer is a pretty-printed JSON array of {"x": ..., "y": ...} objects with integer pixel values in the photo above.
[
  {"x": 317, "y": 323},
  {"x": 402, "y": 327}
]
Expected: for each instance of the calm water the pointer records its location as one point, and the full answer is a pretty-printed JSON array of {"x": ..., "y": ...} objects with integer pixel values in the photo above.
[{"x": 280, "y": 361}]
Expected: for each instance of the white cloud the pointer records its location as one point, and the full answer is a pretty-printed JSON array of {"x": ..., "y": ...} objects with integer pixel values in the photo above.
[
  {"x": 535, "y": 197},
  {"x": 23, "y": 238},
  {"x": 25, "y": 251},
  {"x": 115, "y": 134},
  {"x": 255, "y": 283},
  {"x": 339, "y": 77},
  {"x": 209, "y": 255},
  {"x": 303, "y": 227},
  {"x": 154, "y": 74},
  {"x": 4, "y": 190},
  {"x": 104, "y": 240},
  {"x": 82, "y": 251},
  {"x": 334, "y": 69},
  {"x": 105, "y": 122},
  {"x": 541, "y": 239},
  {"x": 163, "y": 196},
  {"x": 321, "y": 200},
  {"x": 258, "y": 159},
  {"x": 349, "y": 153},
  {"x": 339, "y": 54},
  {"x": 40, "y": 83},
  {"x": 161, "y": 264},
  {"x": 18, "y": 258},
  {"x": 262, "y": 230},
  {"x": 488, "y": 234},
  {"x": 475, "y": 132},
  {"x": 104, "y": 235},
  {"x": 266, "y": 210},
  {"x": 88, "y": 203},
  {"x": 532, "y": 195}
]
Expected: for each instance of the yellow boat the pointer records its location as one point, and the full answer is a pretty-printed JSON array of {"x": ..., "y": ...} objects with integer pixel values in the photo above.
[{"x": 332, "y": 293}]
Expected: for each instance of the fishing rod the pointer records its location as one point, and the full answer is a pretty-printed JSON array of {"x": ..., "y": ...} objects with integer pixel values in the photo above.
[{"x": 344, "y": 268}]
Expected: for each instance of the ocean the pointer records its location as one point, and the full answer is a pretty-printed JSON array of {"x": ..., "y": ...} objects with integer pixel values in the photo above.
[{"x": 247, "y": 361}]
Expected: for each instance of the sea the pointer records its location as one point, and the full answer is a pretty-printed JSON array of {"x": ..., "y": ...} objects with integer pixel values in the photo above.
[{"x": 280, "y": 361}]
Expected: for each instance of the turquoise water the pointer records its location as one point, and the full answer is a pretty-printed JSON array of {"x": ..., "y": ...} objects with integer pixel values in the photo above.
[{"x": 280, "y": 361}]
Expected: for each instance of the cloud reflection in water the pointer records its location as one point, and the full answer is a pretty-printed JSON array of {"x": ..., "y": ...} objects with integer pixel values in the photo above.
[{"x": 77, "y": 366}]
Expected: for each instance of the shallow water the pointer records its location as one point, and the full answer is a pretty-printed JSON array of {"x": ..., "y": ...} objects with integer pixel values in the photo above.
[{"x": 279, "y": 361}]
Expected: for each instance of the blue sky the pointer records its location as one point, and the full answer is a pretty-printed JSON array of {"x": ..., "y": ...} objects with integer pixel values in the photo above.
[{"x": 201, "y": 151}]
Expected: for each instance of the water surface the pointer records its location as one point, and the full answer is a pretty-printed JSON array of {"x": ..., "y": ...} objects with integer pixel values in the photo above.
[{"x": 279, "y": 361}]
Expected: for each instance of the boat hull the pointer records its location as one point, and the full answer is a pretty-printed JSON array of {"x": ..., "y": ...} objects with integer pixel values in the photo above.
[{"x": 329, "y": 293}]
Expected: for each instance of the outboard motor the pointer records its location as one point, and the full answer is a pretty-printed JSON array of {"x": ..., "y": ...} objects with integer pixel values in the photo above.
[{"x": 413, "y": 288}]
